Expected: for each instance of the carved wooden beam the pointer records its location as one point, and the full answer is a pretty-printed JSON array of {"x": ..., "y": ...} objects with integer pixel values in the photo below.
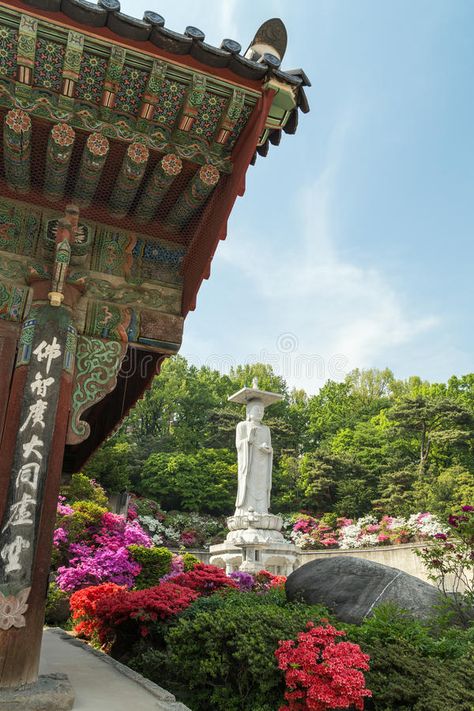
[
  {"x": 58, "y": 157},
  {"x": 160, "y": 180},
  {"x": 92, "y": 163},
  {"x": 17, "y": 136},
  {"x": 152, "y": 92},
  {"x": 193, "y": 196},
  {"x": 112, "y": 81},
  {"x": 129, "y": 179},
  {"x": 71, "y": 69},
  {"x": 97, "y": 364},
  {"x": 230, "y": 117},
  {"x": 26, "y": 54},
  {"x": 192, "y": 103}
]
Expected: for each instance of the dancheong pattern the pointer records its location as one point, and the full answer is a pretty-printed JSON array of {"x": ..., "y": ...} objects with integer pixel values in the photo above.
[
  {"x": 91, "y": 78},
  {"x": 169, "y": 102},
  {"x": 209, "y": 116},
  {"x": 132, "y": 86},
  {"x": 8, "y": 50},
  {"x": 241, "y": 121},
  {"x": 49, "y": 64}
]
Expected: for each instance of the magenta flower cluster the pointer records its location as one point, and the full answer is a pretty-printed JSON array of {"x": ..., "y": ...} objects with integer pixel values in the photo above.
[
  {"x": 244, "y": 580},
  {"x": 177, "y": 567},
  {"x": 64, "y": 509},
  {"x": 105, "y": 558}
]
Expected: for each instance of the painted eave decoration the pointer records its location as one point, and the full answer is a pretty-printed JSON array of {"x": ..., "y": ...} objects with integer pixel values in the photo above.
[{"x": 148, "y": 133}]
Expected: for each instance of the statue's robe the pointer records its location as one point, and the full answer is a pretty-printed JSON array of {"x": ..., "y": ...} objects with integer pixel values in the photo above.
[{"x": 254, "y": 468}]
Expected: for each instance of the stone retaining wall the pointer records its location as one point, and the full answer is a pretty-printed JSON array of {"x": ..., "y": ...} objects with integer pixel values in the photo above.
[{"x": 402, "y": 557}]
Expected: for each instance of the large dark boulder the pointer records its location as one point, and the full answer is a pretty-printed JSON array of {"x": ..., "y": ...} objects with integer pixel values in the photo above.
[{"x": 352, "y": 587}]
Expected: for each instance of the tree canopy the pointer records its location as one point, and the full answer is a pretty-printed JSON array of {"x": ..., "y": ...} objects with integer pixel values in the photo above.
[{"x": 370, "y": 442}]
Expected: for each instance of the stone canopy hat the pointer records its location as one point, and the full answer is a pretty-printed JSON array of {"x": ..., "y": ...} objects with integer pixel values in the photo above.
[{"x": 245, "y": 395}]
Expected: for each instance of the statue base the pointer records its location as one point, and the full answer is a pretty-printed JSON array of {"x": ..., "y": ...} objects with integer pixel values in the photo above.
[
  {"x": 255, "y": 543},
  {"x": 50, "y": 693}
]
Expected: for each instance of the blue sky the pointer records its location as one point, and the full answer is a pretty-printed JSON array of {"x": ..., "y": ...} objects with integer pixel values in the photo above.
[{"x": 353, "y": 245}]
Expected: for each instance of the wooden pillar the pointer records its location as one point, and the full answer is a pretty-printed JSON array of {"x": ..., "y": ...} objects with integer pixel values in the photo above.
[
  {"x": 32, "y": 451},
  {"x": 32, "y": 447}
]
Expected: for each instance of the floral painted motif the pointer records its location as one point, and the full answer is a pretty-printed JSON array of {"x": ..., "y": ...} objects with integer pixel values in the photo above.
[
  {"x": 12, "y": 609},
  {"x": 132, "y": 86},
  {"x": 209, "y": 174},
  {"x": 240, "y": 124},
  {"x": 18, "y": 121},
  {"x": 209, "y": 116},
  {"x": 8, "y": 51},
  {"x": 98, "y": 144},
  {"x": 89, "y": 86},
  {"x": 63, "y": 134},
  {"x": 172, "y": 164},
  {"x": 169, "y": 103},
  {"x": 49, "y": 61},
  {"x": 138, "y": 153}
]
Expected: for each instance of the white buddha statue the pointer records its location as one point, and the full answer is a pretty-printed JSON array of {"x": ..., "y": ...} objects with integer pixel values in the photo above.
[{"x": 255, "y": 459}]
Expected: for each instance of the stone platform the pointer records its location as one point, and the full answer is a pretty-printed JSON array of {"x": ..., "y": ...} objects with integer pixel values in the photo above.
[
  {"x": 52, "y": 692},
  {"x": 255, "y": 543}
]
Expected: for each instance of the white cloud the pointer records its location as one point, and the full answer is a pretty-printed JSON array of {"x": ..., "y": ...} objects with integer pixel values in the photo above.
[{"x": 342, "y": 315}]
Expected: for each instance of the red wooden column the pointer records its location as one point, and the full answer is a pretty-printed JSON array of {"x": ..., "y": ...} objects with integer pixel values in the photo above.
[{"x": 32, "y": 449}]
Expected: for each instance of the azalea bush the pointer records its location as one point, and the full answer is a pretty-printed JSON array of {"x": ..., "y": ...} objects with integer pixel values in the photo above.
[
  {"x": 450, "y": 563},
  {"x": 93, "y": 546},
  {"x": 309, "y": 532},
  {"x": 116, "y": 616},
  {"x": 205, "y": 579},
  {"x": 219, "y": 653},
  {"x": 177, "y": 528},
  {"x": 321, "y": 672},
  {"x": 128, "y": 614},
  {"x": 83, "y": 604}
]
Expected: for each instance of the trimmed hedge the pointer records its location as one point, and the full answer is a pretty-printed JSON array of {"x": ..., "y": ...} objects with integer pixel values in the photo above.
[{"x": 155, "y": 563}]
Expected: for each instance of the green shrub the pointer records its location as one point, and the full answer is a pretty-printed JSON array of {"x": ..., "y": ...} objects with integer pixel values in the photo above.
[
  {"x": 330, "y": 519},
  {"x": 83, "y": 488},
  {"x": 220, "y": 652},
  {"x": 390, "y": 624},
  {"x": 403, "y": 679},
  {"x": 57, "y": 607},
  {"x": 86, "y": 514},
  {"x": 410, "y": 669},
  {"x": 189, "y": 561},
  {"x": 155, "y": 563}
]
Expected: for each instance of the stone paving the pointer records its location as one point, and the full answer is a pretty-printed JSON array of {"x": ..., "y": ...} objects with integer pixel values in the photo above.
[{"x": 100, "y": 683}]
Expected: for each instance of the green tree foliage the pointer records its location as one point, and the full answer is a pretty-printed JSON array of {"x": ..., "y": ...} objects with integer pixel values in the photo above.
[
  {"x": 111, "y": 466},
  {"x": 204, "y": 481},
  {"x": 368, "y": 442}
]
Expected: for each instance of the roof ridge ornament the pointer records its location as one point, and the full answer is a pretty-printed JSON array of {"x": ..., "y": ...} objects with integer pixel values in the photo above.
[{"x": 271, "y": 39}]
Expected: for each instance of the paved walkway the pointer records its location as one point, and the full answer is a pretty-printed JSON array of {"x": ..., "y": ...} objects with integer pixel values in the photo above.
[{"x": 100, "y": 683}]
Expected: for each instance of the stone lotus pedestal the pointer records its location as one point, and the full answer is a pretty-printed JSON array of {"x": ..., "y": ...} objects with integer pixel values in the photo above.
[{"x": 255, "y": 543}]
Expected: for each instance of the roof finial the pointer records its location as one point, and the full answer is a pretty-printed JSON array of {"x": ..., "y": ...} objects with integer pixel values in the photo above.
[{"x": 255, "y": 383}]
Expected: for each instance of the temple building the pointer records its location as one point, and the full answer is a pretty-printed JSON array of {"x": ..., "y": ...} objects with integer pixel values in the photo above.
[{"x": 124, "y": 147}]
